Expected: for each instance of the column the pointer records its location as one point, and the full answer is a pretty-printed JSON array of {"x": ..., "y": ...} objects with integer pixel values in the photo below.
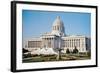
[{"x": 52, "y": 42}]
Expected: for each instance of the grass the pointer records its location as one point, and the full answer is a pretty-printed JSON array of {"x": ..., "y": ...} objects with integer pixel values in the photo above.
[{"x": 64, "y": 57}]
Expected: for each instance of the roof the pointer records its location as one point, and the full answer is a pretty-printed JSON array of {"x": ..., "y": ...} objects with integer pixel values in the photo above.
[
  {"x": 35, "y": 39},
  {"x": 74, "y": 36},
  {"x": 58, "y": 22}
]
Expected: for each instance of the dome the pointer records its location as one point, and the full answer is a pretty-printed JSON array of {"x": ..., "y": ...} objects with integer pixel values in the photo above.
[
  {"x": 58, "y": 27},
  {"x": 58, "y": 22}
]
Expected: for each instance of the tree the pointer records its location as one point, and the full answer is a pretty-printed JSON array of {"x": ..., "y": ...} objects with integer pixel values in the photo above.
[
  {"x": 27, "y": 53},
  {"x": 75, "y": 50},
  {"x": 24, "y": 50},
  {"x": 67, "y": 51}
]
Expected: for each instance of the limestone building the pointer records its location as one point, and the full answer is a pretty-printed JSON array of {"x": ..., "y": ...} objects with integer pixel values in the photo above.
[{"x": 49, "y": 43}]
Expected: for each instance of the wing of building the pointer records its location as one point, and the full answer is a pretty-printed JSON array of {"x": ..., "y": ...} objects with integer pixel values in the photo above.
[{"x": 49, "y": 43}]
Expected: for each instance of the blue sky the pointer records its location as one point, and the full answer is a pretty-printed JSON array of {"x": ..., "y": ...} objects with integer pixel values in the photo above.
[{"x": 36, "y": 23}]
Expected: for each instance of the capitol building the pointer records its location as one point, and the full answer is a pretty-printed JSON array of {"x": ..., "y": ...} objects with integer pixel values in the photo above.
[{"x": 51, "y": 42}]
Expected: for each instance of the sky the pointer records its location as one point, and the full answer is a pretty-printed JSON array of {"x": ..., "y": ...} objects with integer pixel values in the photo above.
[{"x": 35, "y": 23}]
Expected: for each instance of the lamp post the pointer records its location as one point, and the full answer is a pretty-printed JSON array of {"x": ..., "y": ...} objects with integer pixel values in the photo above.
[{"x": 59, "y": 49}]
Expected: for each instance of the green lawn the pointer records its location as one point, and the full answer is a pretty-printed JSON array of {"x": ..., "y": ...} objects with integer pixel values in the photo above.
[{"x": 64, "y": 57}]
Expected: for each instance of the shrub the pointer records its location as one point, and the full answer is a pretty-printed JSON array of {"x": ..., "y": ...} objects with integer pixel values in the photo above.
[
  {"x": 27, "y": 55},
  {"x": 75, "y": 50},
  {"x": 67, "y": 51}
]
